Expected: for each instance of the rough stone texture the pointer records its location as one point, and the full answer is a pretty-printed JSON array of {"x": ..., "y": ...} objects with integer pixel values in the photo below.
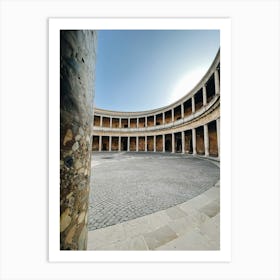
[
  {"x": 200, "y": 141},
  {"x": 213, "y": 143},
  {"x": 77, "y": 67},
  {"x": 159, "y": 146},
  {"x": 150, "y": 143},
  {"x": 96, "y": 121},
  {"x": 95, "y": 143},
  {"x": 141, "y": 145},
  {"x": 132, "y": 146},
  {"x": 130, "y": 185},
  {"x": 115, "y": 143}
]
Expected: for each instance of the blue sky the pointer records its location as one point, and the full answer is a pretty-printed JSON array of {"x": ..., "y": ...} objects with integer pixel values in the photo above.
[{"x": 146, "y": 69}]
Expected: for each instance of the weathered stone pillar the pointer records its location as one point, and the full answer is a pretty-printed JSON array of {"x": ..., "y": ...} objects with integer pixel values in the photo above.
[
  {"x": 120, "y": 142},
  {"x": 110, "y": 143},
  {"x": 146, "y": 143},
  {"x": 217, "y": 82},
  {"x": 193, "y": 104},
  {"x": 183, "y": 142},
  {"x": 128, "y": 143},
  {"x": 111, "y": 122},
  {"x": 218, "y": 135},
  {"x": 137, "y": 143},
  {"x": 194, "y": 141},
  {"x": 206, "y": 140},
  {"x": 163, "y": 143},
  {"x": 120, "y": 123},
  {"x": 128, "y": 122},
  {"x": 204, "y": 95},
  {"x": 163, "y": 118},
  {"x": 172, "y": 114},
  {"x": 146, "y": 122},
  {"x": 137, "y": 122},
  {"x": 77, "y": 70},
  {"x": 173, "y": 143},
  {"x": 155, "y": 120},
  {"x": 100, "y": 143},
  {"x": 101, "y": 121},
  {"x": 155, "y": 143}
]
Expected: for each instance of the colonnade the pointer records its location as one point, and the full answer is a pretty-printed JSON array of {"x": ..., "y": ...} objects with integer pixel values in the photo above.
[{"x": 183, "y": 141}]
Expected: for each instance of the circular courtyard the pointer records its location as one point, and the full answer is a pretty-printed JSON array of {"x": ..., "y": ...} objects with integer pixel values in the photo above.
[{"x": 126, "y": 186}]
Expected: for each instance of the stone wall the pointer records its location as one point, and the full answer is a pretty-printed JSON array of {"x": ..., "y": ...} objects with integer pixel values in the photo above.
[
  {"x": 150, "y": 143},
  {"x": 115, "y": 143},
  {"x": 132, "y": 146},
  {"x": 213, "y": 143},
  {"x": 200, "y": 141},
  {"x": 159, "y": 145},
  {"x": 188, "y": 142},
  {"x": 141, "y": 143},
  {"x": 95, "y": 143}
]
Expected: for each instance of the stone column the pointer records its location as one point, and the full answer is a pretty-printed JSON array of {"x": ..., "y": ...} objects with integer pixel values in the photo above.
[
  {"x": 77, "y": 71},
  {"x": 110, "y": 143},
  {"x": 163, "y": 143},
  {"x": 137, "y": 142},
  {"x": 146, "y": 143},
  {"x": 137, "y": 120},
  {"x": 182, "y": 111},
  {"x": 183, "y": 142},
  {"x": 218, "y": 135},
  {"x": 172, "y": 114},
  {"x": 204, "y": 95},
  {"x": 120, "y": 123},
  {"x": 111, "y": 120},
  {"x": 146, "y": 121},
  {"x": 100, "y": 143},
  {"x": 193, "y": 104},
  {"x": 155, "y": 120},
  {"x": 173, "y": 143},
  {"x": 101, "y": 121},
  {"x": 128, "y": 122},
  {"x": 128, "y": 143},
  {"x": 163, "y": 118},
  {"x": 120, "y": 142},
  {"x": 217, "y": 82},
  {"x": 194, "y": 141},
  {"x": 155, "y": 144},
  {"x": 206, "y": 140}
]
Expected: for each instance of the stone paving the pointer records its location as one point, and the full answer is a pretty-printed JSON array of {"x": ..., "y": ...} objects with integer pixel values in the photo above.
[
  {"x": 127, "y": 186},
  {"x": 191, "y": 225}
]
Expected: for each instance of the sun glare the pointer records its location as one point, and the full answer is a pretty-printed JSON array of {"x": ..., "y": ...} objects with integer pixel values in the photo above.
[{"x": 187, "y": 83}]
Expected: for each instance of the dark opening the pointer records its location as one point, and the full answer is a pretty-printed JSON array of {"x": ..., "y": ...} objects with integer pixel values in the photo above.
[
  {"x": 179, "y": 145},
  {"x": 124, "y": 144},
  {"x": 168, "y": 146}
]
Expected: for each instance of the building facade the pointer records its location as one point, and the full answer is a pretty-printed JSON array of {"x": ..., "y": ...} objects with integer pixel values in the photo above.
[{"x": 190, "y": 125}]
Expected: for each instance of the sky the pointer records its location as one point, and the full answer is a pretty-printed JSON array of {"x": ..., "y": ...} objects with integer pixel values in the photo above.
[{"x": 138, "y": 70}]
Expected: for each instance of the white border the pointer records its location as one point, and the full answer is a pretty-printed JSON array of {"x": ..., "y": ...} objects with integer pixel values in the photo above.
[{"x": 224, "y": 25}]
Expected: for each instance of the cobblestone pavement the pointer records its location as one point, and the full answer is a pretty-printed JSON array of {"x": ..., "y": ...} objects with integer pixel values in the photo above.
[{"x": 126, "y": 186}]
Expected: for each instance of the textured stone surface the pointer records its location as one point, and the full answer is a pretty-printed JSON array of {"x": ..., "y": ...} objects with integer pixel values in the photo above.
[
  {"x": 77, "y": 67},
  {"x": 190, "y": 230},
  {"x": 159, "y": 237},
  {"x": 130, "y": 185}
]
